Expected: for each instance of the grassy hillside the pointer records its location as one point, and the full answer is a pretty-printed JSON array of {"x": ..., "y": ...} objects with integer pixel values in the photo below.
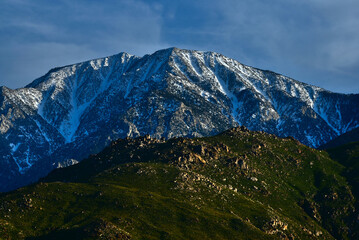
[
  {"x": 236, "y": 185},
  {"x": 348, "y": 155}
]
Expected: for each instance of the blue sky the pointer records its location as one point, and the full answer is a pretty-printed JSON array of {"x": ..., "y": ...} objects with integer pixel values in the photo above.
[{"x": 313, "y": 41}]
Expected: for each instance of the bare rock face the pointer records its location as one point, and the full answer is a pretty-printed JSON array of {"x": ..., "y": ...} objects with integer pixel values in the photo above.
[
  {"x": 77, "y": 110},
  {"x": 68, "y": 162}
]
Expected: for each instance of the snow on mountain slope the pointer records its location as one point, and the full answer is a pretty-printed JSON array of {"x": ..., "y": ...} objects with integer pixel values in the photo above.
[{"x": 77, "y": 110}]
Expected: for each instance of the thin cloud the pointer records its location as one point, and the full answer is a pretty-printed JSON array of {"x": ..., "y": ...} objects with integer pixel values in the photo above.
[
  {"x": 314, "y": 41},
  {"x": 69, "y": 32}
]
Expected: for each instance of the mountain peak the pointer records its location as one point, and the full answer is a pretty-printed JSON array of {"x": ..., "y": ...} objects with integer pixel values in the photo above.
[{"x": 78, "y": 109}]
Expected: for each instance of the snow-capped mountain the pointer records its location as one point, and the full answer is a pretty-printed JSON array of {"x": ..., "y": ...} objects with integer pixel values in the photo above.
[{"x": 77, "y": 110}]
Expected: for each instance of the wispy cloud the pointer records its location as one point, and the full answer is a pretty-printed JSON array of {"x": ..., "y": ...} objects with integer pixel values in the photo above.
[
  {"x": 315, "y": 41},
  {"x": 36, "y": 35}
]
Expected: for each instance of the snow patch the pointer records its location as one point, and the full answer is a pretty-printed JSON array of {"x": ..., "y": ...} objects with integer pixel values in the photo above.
[
  {"x": 14, "y": 147},
  {"x": 42, "y": 132},
  {"x": 224, "y": 89}
]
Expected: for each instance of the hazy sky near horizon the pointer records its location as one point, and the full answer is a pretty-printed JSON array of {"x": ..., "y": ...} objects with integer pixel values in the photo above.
[{"x": 313, "y": 41}]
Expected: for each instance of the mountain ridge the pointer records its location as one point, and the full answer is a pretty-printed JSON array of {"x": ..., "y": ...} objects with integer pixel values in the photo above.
[{"x": 348, "y": 137}]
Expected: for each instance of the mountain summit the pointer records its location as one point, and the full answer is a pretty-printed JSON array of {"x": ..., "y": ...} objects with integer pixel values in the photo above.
[{"x": 77, "y": 110}]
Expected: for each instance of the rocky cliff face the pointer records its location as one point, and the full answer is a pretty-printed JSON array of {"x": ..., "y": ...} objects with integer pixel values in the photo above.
[{"x": 76, "y": 110}]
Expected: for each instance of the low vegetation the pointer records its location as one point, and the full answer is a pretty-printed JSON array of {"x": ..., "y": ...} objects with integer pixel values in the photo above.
[{"x": 236, "y": 185}]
